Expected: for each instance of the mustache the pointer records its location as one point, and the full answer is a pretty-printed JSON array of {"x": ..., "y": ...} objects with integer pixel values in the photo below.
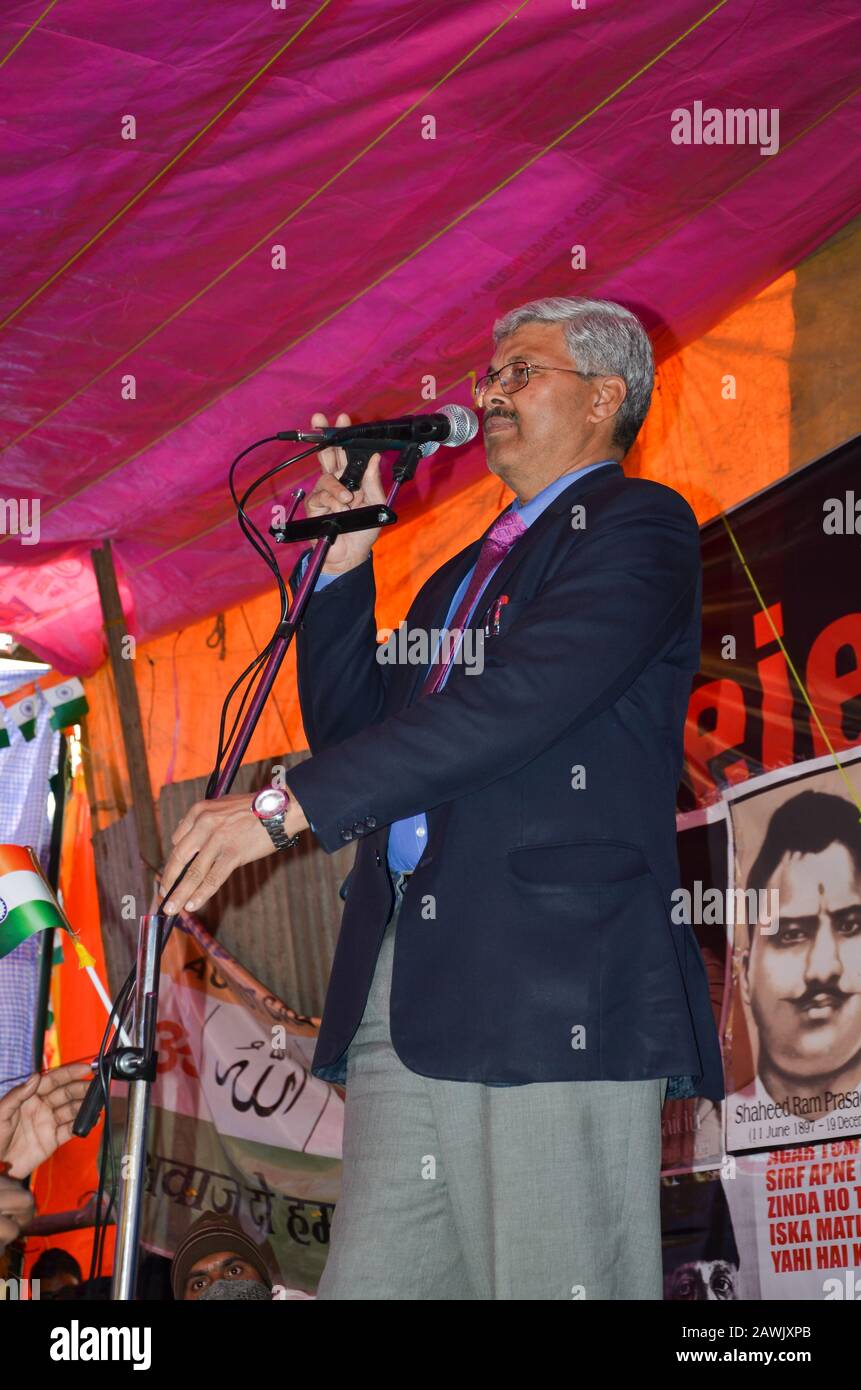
[
  {"x": 496, "y": 412},
  {"x": 830, "y": 992}
]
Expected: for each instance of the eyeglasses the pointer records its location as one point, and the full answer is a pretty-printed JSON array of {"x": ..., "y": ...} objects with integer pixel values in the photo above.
[{"x": 515, "y": 375}]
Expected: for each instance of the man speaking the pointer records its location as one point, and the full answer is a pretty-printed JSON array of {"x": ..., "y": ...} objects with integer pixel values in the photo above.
[{"x": 509, "y": 1000}]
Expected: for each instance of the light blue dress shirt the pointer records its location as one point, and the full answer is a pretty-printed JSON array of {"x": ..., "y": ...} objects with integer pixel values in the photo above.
[{"x": 408, "y": 837}]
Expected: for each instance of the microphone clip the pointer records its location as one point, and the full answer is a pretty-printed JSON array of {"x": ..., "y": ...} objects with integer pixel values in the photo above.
[{"x": 358, "y": 458}]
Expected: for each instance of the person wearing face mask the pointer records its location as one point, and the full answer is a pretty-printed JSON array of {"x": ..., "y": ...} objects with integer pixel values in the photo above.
[{"x": 216, "y": 1260}]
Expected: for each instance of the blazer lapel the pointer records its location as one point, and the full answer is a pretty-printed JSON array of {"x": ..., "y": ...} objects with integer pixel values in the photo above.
[
  {"x": 432, "y": 611},
  {"x": 538, "y": 532}
]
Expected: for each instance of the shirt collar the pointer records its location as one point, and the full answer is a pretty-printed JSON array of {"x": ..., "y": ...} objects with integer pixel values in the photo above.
[{"x": 531, "y": 510}]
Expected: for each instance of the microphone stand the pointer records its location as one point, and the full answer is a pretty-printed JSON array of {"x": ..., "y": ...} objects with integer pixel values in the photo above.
[
  {"x": 326, "y": 531},
  {"x": 137, "y": 1063}
]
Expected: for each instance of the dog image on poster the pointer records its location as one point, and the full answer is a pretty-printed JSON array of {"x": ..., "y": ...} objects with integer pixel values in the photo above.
[{"x": 792, "y": 1049}]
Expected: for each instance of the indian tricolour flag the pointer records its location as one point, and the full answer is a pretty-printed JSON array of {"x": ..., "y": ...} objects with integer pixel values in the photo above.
[
  {"x": 22, "y": 707},
  {"x": 27, "y": 904},
  {"x": 65, "y": 695}
]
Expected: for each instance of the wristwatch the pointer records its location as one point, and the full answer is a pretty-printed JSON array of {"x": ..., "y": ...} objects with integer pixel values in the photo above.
[{"x": 270, "y": 807}]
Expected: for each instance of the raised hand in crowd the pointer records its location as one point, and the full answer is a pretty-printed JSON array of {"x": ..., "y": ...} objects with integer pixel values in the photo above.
[
  {"x": 16, "y": 1210},
  {"x": 37, "y": 1116}
]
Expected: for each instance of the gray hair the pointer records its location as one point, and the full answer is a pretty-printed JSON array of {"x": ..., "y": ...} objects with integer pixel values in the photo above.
[{"x": 604, "y": 338}]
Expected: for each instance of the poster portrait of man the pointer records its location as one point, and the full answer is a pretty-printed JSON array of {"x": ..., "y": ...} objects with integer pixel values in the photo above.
[{"x": 793, "y": 1043}]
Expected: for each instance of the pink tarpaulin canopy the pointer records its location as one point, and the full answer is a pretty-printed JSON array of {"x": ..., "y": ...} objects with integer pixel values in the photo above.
[{"x": 326, "y": 203}]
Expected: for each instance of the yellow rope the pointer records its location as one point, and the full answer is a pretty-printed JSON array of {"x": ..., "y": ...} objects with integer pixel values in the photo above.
[
  {"x": 27, "y": 33},
  {"x": 791, "y": 665},
  {"x": 404, "y": 260},
  {"x": 156, "y": 178},
  {"x": 261, "y": 241}
]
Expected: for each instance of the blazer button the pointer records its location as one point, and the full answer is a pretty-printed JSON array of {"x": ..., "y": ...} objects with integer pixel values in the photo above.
[
  {"x": 359, "y": 827},
  {"x": 371, "y": 822},
  {"x": 346, "y": 833},
  {"x": 378, "y": 857}
]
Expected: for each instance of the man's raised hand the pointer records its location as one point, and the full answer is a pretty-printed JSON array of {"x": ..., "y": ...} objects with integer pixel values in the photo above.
[{"x": 328, "y": 495}]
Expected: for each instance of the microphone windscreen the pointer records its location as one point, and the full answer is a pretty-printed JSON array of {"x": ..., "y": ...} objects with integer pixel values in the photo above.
[{"x": 464, "y": 424}]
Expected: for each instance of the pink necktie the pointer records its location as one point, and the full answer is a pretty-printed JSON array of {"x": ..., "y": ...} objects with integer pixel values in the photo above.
[{"x": 500, "y": 538}]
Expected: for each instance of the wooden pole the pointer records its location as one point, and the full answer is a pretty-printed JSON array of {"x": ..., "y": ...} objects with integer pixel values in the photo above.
[
  {"x": 89, "y": 776},
  {"x": 149, "y": 841}
]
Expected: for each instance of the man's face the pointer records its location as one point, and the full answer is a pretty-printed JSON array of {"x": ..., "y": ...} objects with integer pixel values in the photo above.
[
  {"x": 803, "y": 983},
  {"x": 223, "y": 1265},
  {"x": 543, "y": 430}
]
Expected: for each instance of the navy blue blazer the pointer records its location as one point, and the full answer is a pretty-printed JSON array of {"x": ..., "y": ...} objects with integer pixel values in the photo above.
[{"x": 535, "y": 941}]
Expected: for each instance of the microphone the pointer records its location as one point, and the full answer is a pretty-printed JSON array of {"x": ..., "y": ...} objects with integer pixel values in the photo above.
[{"x": 451, "y": 425}]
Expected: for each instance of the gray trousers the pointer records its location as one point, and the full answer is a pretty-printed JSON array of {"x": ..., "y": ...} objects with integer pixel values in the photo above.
[{"x": 456, "y": 1190}]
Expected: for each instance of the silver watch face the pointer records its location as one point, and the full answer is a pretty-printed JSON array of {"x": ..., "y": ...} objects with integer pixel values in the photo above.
[{"x": 270, "y": 802}]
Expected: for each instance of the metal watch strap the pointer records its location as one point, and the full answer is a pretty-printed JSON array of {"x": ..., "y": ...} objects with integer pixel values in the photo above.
[{"x": 277, "y": 833}]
